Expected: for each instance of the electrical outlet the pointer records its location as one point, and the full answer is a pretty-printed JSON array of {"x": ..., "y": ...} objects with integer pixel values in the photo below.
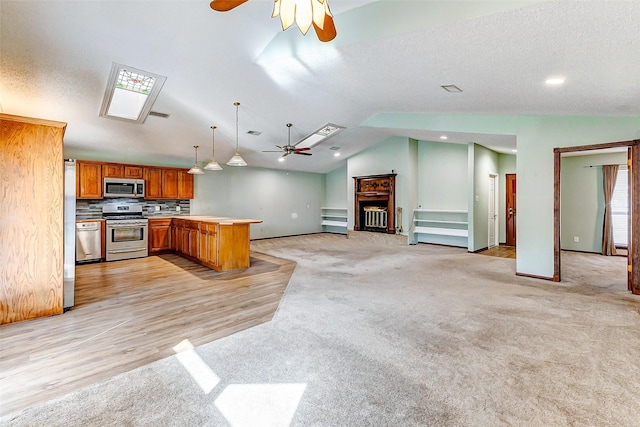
[
  {"x": 178, "y": 208},
  {"x": 576, "y": 239},
  {"x": 157, "y": 208}
]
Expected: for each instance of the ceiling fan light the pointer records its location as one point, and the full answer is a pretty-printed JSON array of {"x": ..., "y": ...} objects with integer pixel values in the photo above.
[
  {"x": 213, "y": 166},
  {"x": 237, "y": 160}
]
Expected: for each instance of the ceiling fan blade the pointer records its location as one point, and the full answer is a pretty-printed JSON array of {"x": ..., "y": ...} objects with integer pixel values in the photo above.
[
  {"x": 286, "y": 154},
  {"x": 302, "y": 149},
  {"x": 272, "y": 151},
  {"x": 304, "y": 154},
  {"x": 225, "y": 5},
  {"x": 327, "y": 33},
  {"x": 279, "y": 147}
]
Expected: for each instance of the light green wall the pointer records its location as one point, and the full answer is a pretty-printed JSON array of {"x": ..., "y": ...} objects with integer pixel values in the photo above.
[
  {"x": 288, "y": 203},
  {"x": 582, "y": 200},
  {"x": 442, "y": 175},
  {"x": 536, "y": 138},
  {"x": 392, "y": 154},
  {"x": 336, "y": 188},
  {"x": 506, "y": 165},
  {"x": 485, "y": 162}
]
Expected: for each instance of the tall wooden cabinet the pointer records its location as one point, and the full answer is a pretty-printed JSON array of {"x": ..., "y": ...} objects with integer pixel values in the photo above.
[{"x": 31, "y": 241}]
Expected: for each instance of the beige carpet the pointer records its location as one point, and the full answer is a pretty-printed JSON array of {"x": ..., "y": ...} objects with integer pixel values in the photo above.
[{"x": 396, "y": 336}]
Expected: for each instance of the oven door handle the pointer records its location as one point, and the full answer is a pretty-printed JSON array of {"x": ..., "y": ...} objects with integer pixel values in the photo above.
[
  {"x": 127, "y": 226},
  {"x": 124, "y": 251}
]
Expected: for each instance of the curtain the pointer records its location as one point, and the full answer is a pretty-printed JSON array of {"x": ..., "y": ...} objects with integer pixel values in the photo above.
[{"x": 609, "y": 175}]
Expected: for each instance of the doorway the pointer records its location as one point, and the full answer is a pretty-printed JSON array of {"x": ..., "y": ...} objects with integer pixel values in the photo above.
[
  {"x": 510, "y": 209},
  {"x": 633, "y": 257}
]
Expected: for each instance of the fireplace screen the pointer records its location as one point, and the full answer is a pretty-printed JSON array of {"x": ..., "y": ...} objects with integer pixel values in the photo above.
[{"x": 375, "y": 217}]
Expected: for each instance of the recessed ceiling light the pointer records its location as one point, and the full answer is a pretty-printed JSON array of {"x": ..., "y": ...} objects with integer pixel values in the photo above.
[
  {"x": 514, "y": 151},
  {"x": 336, "y": 154},
  {"x": 554, "y": 81},
  {"x": 443, "y": 137},
  {"x": 451, "y": 88},
  {"x": 281, "y": 159}
]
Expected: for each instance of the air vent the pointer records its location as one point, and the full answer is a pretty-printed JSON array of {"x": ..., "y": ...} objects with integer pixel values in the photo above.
[
  {"x": 254, "y": 132},
  {"x": 155, "y": 113},
  {"x": 334, "y": 148},
  {"x": 451, "y": 88}
]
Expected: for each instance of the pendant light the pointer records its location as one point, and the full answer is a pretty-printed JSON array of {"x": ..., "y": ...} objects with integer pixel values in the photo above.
[
  {"x": 237, "y": 159},
  {"x": 213, "y": 165},
  {"x": 195, "y": 169}
]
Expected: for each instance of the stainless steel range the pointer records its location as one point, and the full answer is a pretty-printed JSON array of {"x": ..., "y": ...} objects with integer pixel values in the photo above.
[{"x": 126, "y": 232}]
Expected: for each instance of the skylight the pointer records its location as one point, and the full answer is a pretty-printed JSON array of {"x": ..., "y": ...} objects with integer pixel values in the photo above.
[
  {"x": 325, "y": 132},
  {"x": 130, "y": 93}
]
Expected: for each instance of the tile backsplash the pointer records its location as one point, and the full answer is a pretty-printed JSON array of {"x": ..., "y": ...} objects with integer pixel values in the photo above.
[{"x": 92, "y": 209}]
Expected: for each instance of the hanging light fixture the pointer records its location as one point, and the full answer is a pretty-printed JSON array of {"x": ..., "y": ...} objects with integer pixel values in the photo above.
[
  {"x": 195, "y": 169},
  {"x": 237, "y": 160},
  {"x": 213, "y": 165},
  {"x": 303, "y": 12}
]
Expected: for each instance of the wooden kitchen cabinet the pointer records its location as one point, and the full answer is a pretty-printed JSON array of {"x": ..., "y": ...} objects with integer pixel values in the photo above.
[
  {"x": 185, "y": 185},
  {"x": 169, "y": 183},
  {"x": 117, "y": 170},
  {"x": 159, "y": 235},
  {"x": 88, "y": 180},
  {"x": 153, "y": 183},
  {"x": 112, "y": 170},
  {"x": 133, "y": 172}
]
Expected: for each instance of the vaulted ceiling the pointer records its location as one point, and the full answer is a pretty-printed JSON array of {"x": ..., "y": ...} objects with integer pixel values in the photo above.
[{"x": 388, "y": 56}]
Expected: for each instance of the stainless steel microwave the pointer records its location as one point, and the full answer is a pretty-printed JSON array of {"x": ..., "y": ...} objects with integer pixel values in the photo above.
[{"x": 121, "y": 187}]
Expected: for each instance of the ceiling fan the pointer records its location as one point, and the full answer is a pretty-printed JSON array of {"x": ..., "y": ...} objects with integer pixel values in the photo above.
[{"x": 290, "y": 149}]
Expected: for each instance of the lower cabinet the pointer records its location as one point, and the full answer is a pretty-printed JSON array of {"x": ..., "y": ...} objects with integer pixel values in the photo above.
[
  {"x": 220, "y": 247},
  {"x": 159, "y": 235}
]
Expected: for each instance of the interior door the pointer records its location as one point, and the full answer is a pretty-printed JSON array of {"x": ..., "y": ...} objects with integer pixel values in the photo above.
[
  {"x": 511, "y": 209},
  {"x": 492, "y": 210}
]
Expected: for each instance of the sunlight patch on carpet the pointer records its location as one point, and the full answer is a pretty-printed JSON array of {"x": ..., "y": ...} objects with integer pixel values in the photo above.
[
  {"x": 195, "y": 366},
  {"x": 266, "y": 405}
]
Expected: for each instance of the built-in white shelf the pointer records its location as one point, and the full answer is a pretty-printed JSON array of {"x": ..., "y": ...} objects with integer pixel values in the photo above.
[
  {"x": 443, "y": 226},
  {"x": 334, "y": 219}
]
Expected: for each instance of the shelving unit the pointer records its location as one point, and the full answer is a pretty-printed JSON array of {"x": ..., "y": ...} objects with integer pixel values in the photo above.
[
  {"x": 334, "y": 220},
  {"x": 442, "y": 226}
]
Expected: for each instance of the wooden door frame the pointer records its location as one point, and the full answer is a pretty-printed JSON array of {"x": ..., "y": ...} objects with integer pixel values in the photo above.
[{"x": 633, "y": 258}]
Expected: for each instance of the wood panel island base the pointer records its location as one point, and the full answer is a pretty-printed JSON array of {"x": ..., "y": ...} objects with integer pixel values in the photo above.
[{"x": 219, "y": 243}]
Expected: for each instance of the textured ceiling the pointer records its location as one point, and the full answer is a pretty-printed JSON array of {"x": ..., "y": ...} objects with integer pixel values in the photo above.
[{"x": 389, "y": 56}]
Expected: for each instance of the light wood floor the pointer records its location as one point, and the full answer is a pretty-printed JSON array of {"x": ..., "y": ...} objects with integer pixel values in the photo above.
[
  {"x": 501, "y": 251},
  {"x": 131, "y": 313}
]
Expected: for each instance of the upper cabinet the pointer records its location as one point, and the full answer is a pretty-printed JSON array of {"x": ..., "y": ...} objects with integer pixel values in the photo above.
[
  {"x": 160, "y": 183},
  {"x": 185, "y": 185},
  {"x": 117, "y": 170},
  {"x": 88, "y": 180},
  {"x": 168, "y": 183}
]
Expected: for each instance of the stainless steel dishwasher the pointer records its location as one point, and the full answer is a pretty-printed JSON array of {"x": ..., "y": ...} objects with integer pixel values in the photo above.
[{"x": 88, "y": 241}]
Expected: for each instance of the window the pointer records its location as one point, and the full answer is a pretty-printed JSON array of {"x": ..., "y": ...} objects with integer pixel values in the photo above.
[{"x": 620, "y": 209}]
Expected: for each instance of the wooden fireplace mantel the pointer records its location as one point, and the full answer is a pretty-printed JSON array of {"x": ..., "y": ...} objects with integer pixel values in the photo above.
[{"x": 377, "y": 190}]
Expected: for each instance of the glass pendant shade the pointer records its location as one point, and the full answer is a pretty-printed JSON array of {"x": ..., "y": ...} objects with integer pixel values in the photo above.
[
  {"x": 213, "y": 164},
  {"x": 237, "y": 159},
  {"x": 195, "y": 169}
]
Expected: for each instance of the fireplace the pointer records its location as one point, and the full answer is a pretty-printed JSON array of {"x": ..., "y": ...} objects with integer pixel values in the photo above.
[{"x": 375, "y": 200}]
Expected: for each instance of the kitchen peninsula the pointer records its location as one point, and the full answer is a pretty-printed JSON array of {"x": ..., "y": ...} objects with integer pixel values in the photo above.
[{"x": 219, "y": 243}]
